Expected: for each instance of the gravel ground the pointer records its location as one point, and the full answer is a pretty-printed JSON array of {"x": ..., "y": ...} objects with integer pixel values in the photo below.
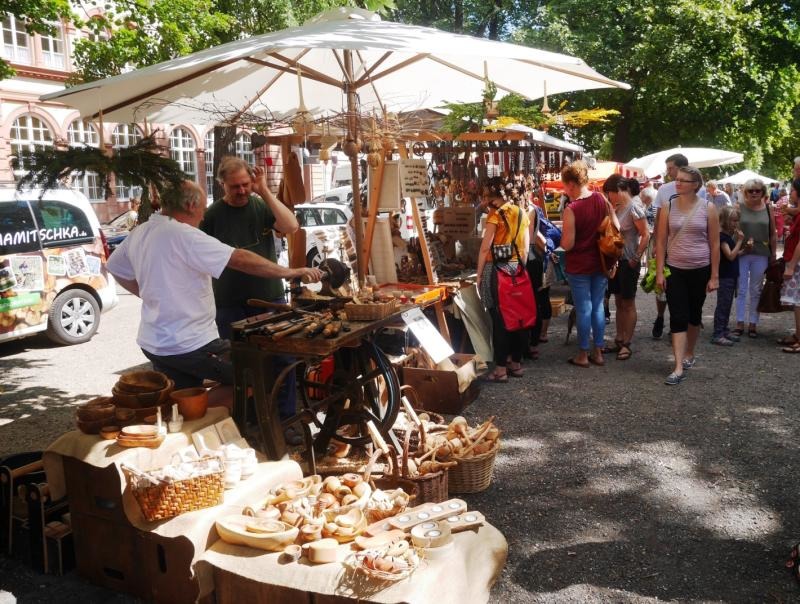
[{"x": 610, "y": 486}]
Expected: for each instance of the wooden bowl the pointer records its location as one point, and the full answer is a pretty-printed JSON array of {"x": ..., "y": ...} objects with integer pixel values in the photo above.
[
  {"x": 125, "y": 399},
  {"x": 96, "y": 409},
  {"x": 192, "y": 402},
  {"x": 139, "y": 431},
  {"x": 93, "y": 427},
  {"x": 124, "y": 415},
  {"x": 148, "y": 399},
  {"x": 110, "y": 432},
  {"x": 142, "y": 381}
]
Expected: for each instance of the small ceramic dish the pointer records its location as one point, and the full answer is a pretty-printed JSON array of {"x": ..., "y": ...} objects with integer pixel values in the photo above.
[{"x": 139, "y": 431}]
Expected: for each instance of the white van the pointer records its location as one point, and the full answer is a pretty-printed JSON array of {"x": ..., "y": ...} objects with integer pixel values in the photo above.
[{"x": 53, "y": 274}]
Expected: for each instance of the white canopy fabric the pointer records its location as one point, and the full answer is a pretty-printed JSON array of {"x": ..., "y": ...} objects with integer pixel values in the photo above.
[
  {"x": 545, "y": 139},
  {"x": 402, "y": 67},
  {"x": 700, "y": 157},
  {"x": 742, "y": 177}
]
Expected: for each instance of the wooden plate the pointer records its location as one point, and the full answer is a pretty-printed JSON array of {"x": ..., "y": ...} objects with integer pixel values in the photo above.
[
  {"x": 139, "y": 431},
  {"x": 150, "y": 443}
]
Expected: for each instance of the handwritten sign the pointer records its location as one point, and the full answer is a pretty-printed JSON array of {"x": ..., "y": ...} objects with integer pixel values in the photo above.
[
  {"x": 414, "y": 180},
  {"x": 429, "y": 337}
]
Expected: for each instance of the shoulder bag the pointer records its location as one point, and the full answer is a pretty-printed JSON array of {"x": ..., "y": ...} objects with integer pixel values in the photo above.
[
  {"x": 609, "y": 241},
  {"x": 515, "y": 299}
]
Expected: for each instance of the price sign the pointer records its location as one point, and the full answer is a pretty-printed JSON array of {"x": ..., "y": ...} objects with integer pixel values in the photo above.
[
  {"x": 429, "y": 337},
  {"x": 414, "y": 178}
]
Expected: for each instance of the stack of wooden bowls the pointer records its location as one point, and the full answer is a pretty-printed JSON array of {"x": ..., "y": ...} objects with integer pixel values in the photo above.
[
  {"x": 91, "y": 417},
  {"x": 144, "y": 392}
]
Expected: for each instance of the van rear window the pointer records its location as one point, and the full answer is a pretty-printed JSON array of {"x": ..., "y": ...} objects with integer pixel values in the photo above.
[
  {"x": 18, "y": 231},
  {"x": 61, "y": 223}
]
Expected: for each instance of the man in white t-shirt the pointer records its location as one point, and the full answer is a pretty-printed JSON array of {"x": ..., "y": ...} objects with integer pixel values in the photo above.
[{"x": 169, "y": 263}]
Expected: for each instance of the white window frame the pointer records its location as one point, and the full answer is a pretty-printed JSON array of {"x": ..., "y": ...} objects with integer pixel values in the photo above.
[
  {"x": 209, "y": 158},
  {"x": 28, "y": 133},
  {"x": 15, "y": 51},
  {"x": 244, "y": 148},
  {"x": 183, "y": 149},
  {"x": 82, "y": 132},
  {"x": 125, "y": 135},
  {"x": 54, "y": 57}
]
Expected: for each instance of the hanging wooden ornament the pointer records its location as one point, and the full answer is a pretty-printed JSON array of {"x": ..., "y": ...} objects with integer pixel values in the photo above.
[{"x": 303, "y": 123}]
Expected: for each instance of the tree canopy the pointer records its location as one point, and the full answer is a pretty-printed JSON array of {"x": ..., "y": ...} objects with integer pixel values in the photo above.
[{"x": 717, "y": 73}]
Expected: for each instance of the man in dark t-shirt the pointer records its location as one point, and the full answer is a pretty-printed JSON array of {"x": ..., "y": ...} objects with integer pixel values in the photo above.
[{"x": 245, "y": 220}]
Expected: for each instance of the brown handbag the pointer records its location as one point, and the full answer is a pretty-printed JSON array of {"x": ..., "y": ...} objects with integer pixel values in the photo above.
[{"x": 609, "y": 242}]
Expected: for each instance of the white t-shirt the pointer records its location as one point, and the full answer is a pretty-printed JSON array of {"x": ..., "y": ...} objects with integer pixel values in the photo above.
[
  {"x": 173, "y": 263},
  {"x": 667, "y": 190}
]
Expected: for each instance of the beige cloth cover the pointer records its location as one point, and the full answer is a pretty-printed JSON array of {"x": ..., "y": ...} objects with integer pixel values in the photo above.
[
  {"x": 465, "y": 576},
  {"x": 197, "y": 526}
]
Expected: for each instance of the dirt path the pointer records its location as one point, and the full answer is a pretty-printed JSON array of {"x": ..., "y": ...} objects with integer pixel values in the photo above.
[{"x": 612, "y": 487}]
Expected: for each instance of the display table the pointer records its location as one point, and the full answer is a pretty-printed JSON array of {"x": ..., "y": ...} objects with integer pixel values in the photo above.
[
  {"x": 243, "y": 574},
  {"x": 114, "y": 545}
]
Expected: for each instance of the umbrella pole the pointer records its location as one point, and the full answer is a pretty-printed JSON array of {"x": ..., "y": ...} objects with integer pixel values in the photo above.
[{"x": 352, "y": 135}]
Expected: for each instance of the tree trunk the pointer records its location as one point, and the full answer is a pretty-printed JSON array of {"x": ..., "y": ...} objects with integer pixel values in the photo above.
[
  {"x": 458, "y": 16},
  {"x": 494, "y": 21},
  {"x": 224, "y": 144},
  {"x": 622, "y": 134}
]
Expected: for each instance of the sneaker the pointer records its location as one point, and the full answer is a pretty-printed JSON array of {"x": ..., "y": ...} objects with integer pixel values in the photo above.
[
  {"x": 722, "y": 341},
  {"x": 689, "y": 363},
  {"x": 658, "y": 328},
  {"x": 732, "y": 337},
  {"x": 673, "y": 379}
]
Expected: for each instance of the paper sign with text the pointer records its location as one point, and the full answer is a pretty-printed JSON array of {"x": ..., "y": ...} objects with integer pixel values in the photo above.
[{"x": 429, "y": 337}]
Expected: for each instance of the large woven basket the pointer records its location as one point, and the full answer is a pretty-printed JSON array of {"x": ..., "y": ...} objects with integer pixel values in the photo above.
[
  {"x": 169, "y": 499},
  {"x": 473, "y": 474}
]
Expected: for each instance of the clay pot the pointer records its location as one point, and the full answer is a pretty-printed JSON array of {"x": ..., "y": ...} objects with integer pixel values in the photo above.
[{"x": 192, "y": 402}]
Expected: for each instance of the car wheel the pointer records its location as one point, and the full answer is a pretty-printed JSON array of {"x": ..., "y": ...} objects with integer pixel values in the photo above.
[
  {"x": 73, "y": 318},
  {"x": 314, "y": 258}
]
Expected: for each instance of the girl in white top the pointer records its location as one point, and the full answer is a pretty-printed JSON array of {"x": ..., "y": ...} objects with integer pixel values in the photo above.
[{"x": 687, "y": 240}]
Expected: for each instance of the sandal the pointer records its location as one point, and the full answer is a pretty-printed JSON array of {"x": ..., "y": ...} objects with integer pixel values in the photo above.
[
  {"x": 572, "y": 361},
  {"x": 788, "y": 340},
  {"x": 752, "y": 333},
  {"x": 517, "y": 373},
  {"x": 793, "y": 349},
  {"x": 494, "y": 378},
  {"x": 543, "y": 339},
  {"x": 625, "y": 352},
  {"x": 615, "y": 348},
  {"x": 595, "y": 361},
  {"x": 739, "y": 331}
]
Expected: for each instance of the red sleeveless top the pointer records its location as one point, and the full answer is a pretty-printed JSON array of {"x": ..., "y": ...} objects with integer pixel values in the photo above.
[{"x": 584, "y": 257}]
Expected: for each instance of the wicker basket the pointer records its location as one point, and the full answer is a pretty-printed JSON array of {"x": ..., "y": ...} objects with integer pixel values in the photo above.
[
  {"x": 369, "y": 312},
  {"x": 388, "y": 482},
  {"x": 473, "y": 474},
  {"x": 417, "y": 436},
  {"x": 431, "y": 488},
  {"x": 169, "y": 499}
]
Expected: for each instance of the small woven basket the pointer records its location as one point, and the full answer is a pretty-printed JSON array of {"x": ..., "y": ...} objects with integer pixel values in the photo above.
[
  {"x": 417, "y": 436},
  {"x": 431, "y": 488},
  {"x": 473, "y": 474},
  {"x": 169, "y": 499},
  {"x": 387, "y": 482},
  {"x": 369, "y": 312}
]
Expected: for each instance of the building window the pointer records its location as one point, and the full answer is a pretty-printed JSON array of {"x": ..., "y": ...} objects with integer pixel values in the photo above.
[
  {"x": 53, "y": 49},
  {"x": 82, "y": 132},
  {"x": 182, "y": 150},
  {"x": 28, "y": 133},
  {"x": 209, "y": 157},
  {"x": 244, "y": 148},
  {"x": 125, "y": 135},
  {"x": 16, "y": 42}
]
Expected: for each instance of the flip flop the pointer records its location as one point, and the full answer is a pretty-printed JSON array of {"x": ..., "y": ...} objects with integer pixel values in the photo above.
[
  {"x": 793, "y": 349},
  {"x": 516, "y": 373},
  {"x": 493, "y": 378},
  {"x": 739, "y": 331},
  {"x": 572, "y": 361},
  {"x": 597, "y": 362}
]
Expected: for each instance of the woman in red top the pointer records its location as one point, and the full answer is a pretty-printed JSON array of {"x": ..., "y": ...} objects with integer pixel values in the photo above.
[
  {"x": 585, "y": 274},
  {"x": 790, "y": 293}
]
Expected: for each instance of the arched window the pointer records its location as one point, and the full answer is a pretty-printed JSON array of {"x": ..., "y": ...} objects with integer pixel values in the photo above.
[
  {"x": 244, "y": 148},
  {"x": 28, "y": 133},
  {"x": 82, "y": 132},
  {"x": 209, "y": 156},
  {"x": 16, "y": 42},
  {"x": 182, "y": 150},
  {"x": 125, "y": 135}
]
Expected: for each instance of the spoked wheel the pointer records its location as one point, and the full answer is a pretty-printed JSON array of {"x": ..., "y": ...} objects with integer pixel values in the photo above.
[{"x": 362, "y": 387}]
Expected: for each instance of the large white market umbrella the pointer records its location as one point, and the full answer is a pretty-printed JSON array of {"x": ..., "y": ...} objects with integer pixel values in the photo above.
[
  {"x": 402, "y": 67},
  {"x": 742, "y": 177},
  {"x": 700, "y": 157},
  {"x": 348, "y": 60}
]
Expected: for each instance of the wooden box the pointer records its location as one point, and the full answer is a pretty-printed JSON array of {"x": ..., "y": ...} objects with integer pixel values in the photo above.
[{"x": 438, "y": 390}]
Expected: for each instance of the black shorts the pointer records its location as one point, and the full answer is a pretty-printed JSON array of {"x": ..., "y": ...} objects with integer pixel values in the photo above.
[
  {"x": 686, "y": 294},
  {"x": 625, "y": 282},
  {"x": 209, "y": 362}
]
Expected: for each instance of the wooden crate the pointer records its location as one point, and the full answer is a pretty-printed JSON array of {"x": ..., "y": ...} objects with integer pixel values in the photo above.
[{"x": 438, "y": 390}]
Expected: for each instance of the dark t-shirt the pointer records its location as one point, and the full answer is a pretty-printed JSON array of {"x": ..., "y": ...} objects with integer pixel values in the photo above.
[
  {"x": 250, "y": 228},
  {"x": 728, "y": 269},
  {"x": 584, "y": 257}
]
